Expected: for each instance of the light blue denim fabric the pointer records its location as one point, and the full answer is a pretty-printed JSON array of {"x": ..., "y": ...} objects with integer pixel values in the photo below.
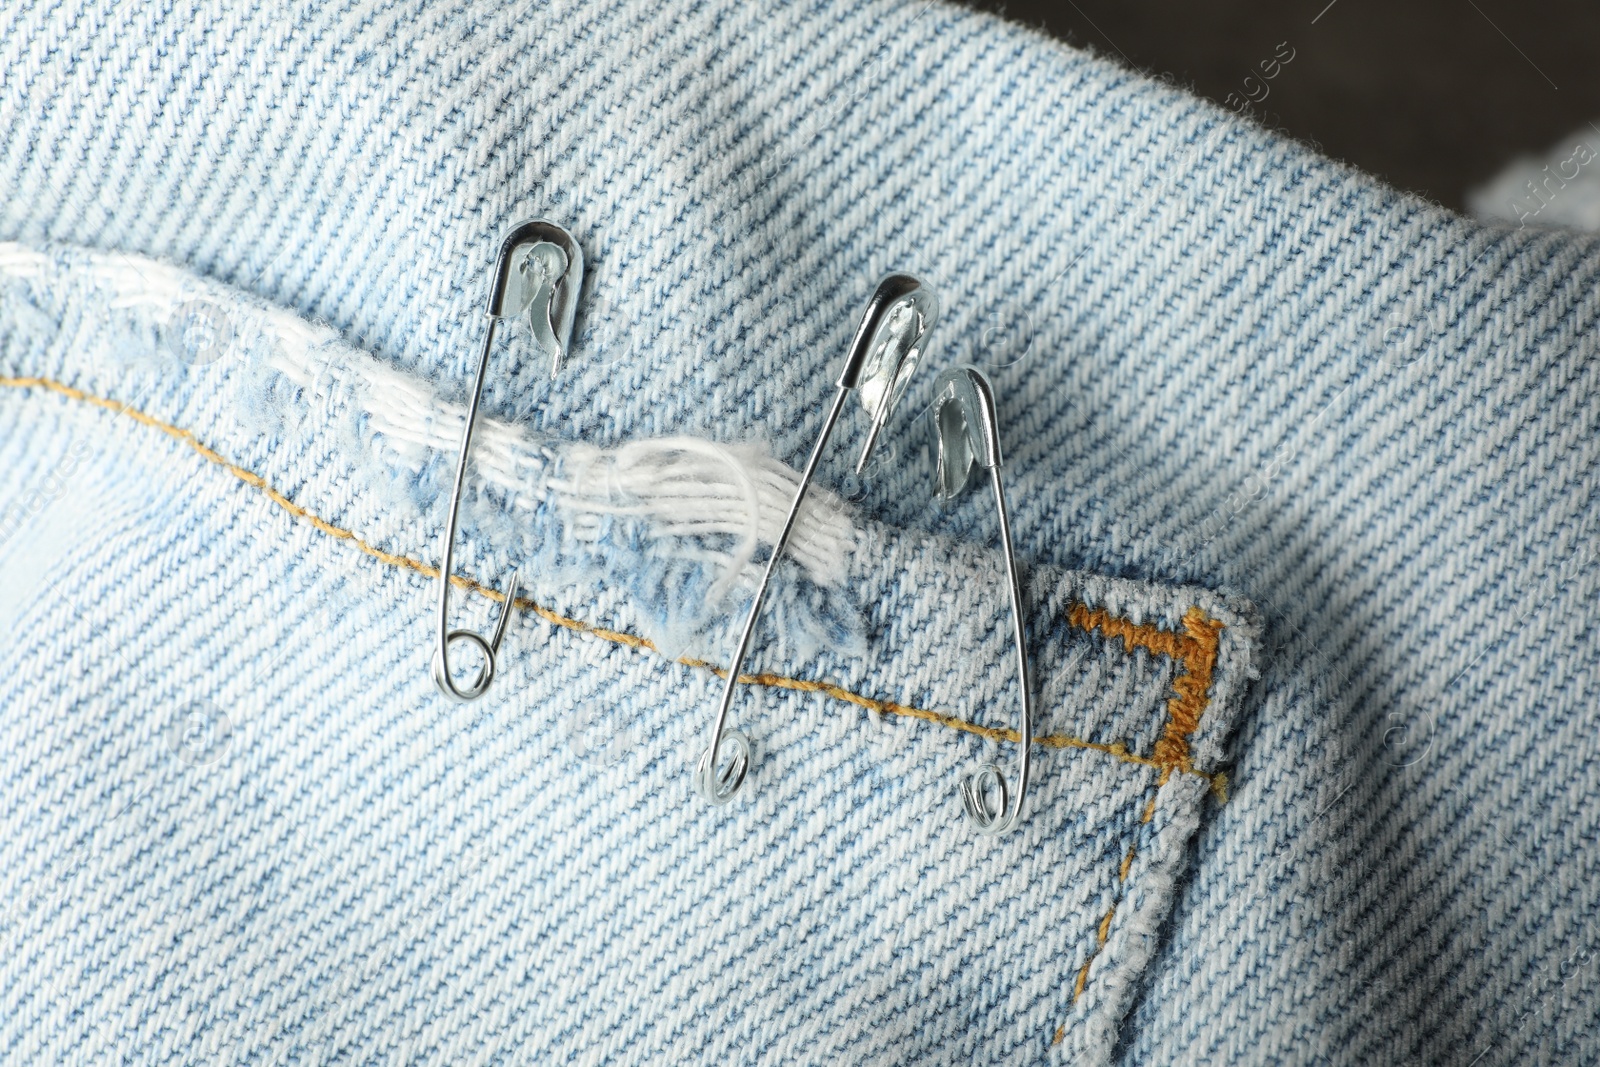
[
  {"x": 1230, "y": 372},
  {"x": 843, "y": 910}
]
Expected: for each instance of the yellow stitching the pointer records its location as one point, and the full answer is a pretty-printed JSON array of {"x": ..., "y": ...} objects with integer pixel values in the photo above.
[{"x": 1145, "y": 636}]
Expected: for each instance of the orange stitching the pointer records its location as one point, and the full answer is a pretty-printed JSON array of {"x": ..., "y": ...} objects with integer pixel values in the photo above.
[
  {"x": 1143, "y": 636},
  {"x": 1162, "y": 642},
  {"x": 1193, "y": 689},
  {"x": 1100, "y": 942},
  {"x": 1196, "y": 650},
  {"x": 1127, "y": 862},
  {"x": 1150, "y": 807}
]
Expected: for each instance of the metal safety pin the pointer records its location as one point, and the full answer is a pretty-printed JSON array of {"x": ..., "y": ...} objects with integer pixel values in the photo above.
[
  {"x": 888, "y": 344},
  {"x": 969, "y": 436},
  {"x": 539, "y": 273}
]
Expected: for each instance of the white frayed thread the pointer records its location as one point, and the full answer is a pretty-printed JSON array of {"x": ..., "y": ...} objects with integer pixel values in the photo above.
[
  {"x": 20, "y": 261},
  {"x": 685, "y": 488},
  {"x": 692, "y": 488},
  {"x": 397, "y": 405}
]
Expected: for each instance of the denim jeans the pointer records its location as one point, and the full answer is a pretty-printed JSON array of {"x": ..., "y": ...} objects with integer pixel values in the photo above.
[{"x": 1301, "y": 473}]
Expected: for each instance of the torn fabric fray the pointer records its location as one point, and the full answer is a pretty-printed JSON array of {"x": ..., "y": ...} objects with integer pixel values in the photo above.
[
  {"x": 1143, "y": 681},
  {"x": 696, "y": 520},
  {"x": 684, "y": 525}
]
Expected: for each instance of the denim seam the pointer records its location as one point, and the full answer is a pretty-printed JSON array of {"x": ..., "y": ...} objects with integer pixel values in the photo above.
[
  {"x": 1196, "y": 651},
  {"x": 1141, "y": 635}
]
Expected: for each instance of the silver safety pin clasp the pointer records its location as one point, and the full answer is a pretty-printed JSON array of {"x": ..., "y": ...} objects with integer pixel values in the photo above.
[
  {"x": 888, "y": 344},
  {"x": 539, "y": 273}
]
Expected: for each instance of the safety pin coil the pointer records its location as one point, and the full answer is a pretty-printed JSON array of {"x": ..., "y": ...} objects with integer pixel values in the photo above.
[{"x": 539, "y": 273}]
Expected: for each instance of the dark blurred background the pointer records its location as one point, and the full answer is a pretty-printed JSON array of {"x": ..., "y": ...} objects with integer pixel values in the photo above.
[{"x": 1434, "y": 96}]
